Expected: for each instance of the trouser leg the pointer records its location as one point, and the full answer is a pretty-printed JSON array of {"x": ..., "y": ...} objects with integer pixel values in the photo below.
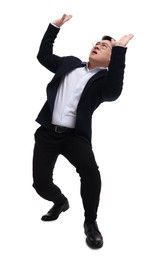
[
  {"x": 44, "y": 158},
  {"x": 80, "y": 154}
]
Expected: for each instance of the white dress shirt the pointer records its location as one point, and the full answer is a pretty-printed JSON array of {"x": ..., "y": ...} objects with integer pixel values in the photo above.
[{"x": 68, "y": 96}]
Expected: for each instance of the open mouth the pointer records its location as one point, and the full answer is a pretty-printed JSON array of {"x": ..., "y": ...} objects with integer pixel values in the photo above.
[{"x": 94, "y": 52}]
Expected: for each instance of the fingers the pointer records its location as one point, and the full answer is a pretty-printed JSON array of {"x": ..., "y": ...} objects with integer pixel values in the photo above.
[
  {"x": 131, "y": 35},
  {"x": 62, "y": 20},
  {"x": 123, "y": 40},
  {"x": 66, "y": 17},
  {"x": 127, "y": 37}
]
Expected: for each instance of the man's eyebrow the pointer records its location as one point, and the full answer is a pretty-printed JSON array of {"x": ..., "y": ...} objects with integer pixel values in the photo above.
[{"x": 105, "y": 43}]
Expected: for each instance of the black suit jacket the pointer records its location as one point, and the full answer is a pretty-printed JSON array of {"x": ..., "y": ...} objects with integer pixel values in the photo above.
[{"x": 105, "y": 85}]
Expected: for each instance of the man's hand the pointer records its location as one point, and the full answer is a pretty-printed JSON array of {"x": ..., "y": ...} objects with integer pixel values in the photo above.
[
  {"x": 123, "y": 40},
  {"x": 62, "y": 20}
]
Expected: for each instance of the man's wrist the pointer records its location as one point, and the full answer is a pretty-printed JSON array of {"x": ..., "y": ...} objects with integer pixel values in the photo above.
[{"x": 55, "y": 25}]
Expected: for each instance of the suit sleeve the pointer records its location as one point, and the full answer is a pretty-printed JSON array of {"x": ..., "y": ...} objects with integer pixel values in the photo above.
[
  {"x": 115, "y": 75},
  {"x": 45, "y": 55}
]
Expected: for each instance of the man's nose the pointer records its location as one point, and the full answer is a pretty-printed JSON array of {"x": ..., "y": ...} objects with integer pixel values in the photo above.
[{"x": 97, "y": 47}]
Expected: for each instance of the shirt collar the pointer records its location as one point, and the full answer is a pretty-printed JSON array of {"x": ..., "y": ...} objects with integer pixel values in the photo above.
[{"x": 95, "y": 69}]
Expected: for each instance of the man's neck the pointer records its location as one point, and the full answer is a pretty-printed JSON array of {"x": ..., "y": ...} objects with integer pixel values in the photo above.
[{"x": 93, "y": 66}]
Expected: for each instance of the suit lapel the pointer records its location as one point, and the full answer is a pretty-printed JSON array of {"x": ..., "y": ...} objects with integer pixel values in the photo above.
[
  {"x": 69, "y": 67},
  {"x": 98, "y": 75},
  {"x": 53, "y": 85}
]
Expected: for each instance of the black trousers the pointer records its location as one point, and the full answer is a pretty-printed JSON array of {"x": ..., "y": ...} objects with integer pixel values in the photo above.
[{"x": 48, "y": 145}]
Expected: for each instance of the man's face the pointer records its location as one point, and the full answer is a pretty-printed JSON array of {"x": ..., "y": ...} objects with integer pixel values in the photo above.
[{"x": 101, "y": 53}]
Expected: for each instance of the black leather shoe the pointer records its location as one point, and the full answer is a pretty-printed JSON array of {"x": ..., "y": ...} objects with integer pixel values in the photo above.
[
  {"x": 94, "y": 238},
  {"x": 55, "y": 211}
]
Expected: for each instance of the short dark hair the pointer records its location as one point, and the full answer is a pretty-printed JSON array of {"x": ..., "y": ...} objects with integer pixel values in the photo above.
[{"x": 108, "y": 38}]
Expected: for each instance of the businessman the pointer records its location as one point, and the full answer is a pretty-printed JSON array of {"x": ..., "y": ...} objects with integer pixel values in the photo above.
[{"x": 75, "y": 91}]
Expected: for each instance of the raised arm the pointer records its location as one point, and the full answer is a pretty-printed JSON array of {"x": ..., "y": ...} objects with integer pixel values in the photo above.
[
  {"x": 114, "y": 82},
  {"x": 45, "y": 54}
]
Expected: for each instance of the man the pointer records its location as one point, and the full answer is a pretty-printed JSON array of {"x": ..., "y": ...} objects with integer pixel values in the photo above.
[{"x": 73, "y": 94}]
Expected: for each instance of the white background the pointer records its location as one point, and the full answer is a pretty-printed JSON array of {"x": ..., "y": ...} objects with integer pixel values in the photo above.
[{"x": 122, "y": 133}]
